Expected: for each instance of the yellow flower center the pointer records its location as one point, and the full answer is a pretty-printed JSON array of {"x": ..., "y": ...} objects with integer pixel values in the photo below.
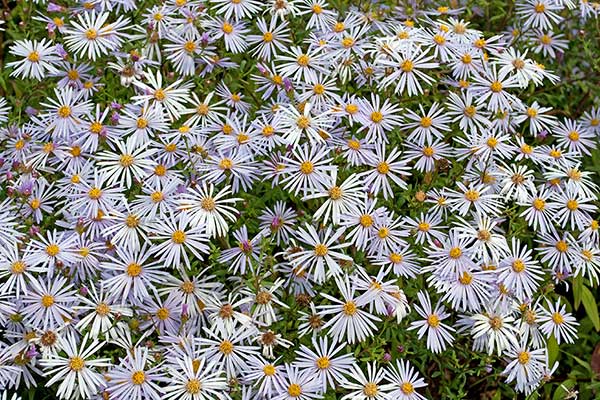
[
  {"x": 94, "y": 193},
  {"x": 226, "y": 347},
  {"x": 518, "y": 265},
  {"x": 162, "y": 313},
  {"x": 433, "y": 321},
  {"x": 18, "y": 267},
  {"x": 349, "y": 308},
  {"x": 396, "y": 258},
  {"x": 52, "y": 249},
  {"x": 138, "y": 378},
  {"x": 321, "y": 250},
  {"x": 64, "y": 111},
  {"x": 178, "y": 237},
  {"x": 455, "y": 252},
  {"x": 226, "y": 163},
  {"x": 407, "y": 66},
  {"x": 323, "y": 362},
  {"x": 465, "y": 278},
  {"x": 294, "y": 390},
  {"x": 102, "y": 309},
  {"x": 307, "y": 167},
  {"x": 34, "y": 56},
  {"x": 574, "y": 136},
  {"x": 269, "y": 370},
  {"x": 471, "y": 195},
  {"x": 335, "y": 193},
  {"x": 91, "y": 34},
  {"x": 76, "y": 363},
  {"x": 227, "y": 28},
  {"x": 303, "y": 60},
  {"x": 407, "y": 388},
  {"x": 557, "y": 318},
  {"x": 193, "y": 386},
  {"x": 189, "y": 46},
  {"x": 134, "y": 270},
  {"x": 496, "y": 87},
  {"x": 370, "y": 389},
  {"x": 572, "y": 205},
  {"x": 47, "y": 300},
  {"x": 303, "y": 122},
  {"x": 383, "y": 168},
  {"x": 208, "y": 204},
  {"x": 126, "y": 160},
  {"x": 540, "y": 8},
  {"x": 426, "y": 122},
  {"x": 523, "y": 357},
  {"x": 267, "y": 37}
]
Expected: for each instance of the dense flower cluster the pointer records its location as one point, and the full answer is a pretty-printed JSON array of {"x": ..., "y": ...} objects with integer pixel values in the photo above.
[{"x": 223, "y": 199}]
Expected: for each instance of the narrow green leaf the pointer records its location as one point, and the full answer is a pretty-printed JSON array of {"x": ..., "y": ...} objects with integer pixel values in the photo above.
[
  {"x": 563, "y": 389},
  {"x": 552, "y": 346},
  {"x": 591, "y": 309},
  {"x": 577, "y": 289}
]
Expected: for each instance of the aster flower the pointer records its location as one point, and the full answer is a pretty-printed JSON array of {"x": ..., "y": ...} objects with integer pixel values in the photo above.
[
  {"x": 76, "y": 372},
  {"x": 133, "y": 377},
  {"x": 438, "y": 334},
  {"x": 39, "y": 60}
]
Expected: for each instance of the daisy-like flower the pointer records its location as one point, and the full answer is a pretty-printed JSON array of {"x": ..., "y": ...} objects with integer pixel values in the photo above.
[
  {"x": 134, "y": 379},
  {"x": 495, "y": 330},
  {"x": 343, "y": 199},
  {"x": 439, "y": 335},
  {"x": 556, "y": 321},
  {"x": 322, "y": 252},
  {"x": 227, "y": 349},
  {"x": 296, "y": 125},
  {"x": 93, "y": 37},
  {"x": 278, "y": 222},
  {"x": 273, "y": 38},
  {"x": 519, "y": 272},
  {"x": 195, "y": 379},
  {"x": 49, "y": 303},
  {"x": 427, "y": 125},
  {"x": 404, "y": 379},
  {"x": 40, "y": 59},
  {"x": 573, "y": 208},
  {"x": 469, "y": 115},
  {"x": 301, "y": 65},
  {"x": 574, "y": 137},
  {"x": 171, "y": 99},
  {"x": 539, "y": 13},
  {"x": 307, "y": 170},
  {"x": 245, "y": 255},
  {"x": 349, "y": 320},
  {"x": 233, "y": 32},
  {"x": 537, "y": 117},
  {"x": 377, "y": 119},
  {"x": 178, "y": 237},
  {"x": 130, "y": 275},
  {"x": 474, "y": 196},
  {"x": 101, "y": 313},
  {"x": 407, "y": 63},
  {"x": 490, "y": 88},
  {"x": 325, "y": 362},
  {"x": 64, "y": 114},
  {"x": 298, "y": 385},
  {"x": 367, "y": 387},
  {"x": 209, "y": 209},
  {"x": 76, "y": 372},
  {"x": 525, "y": 366},
  {"x": 386, "y": 168}
]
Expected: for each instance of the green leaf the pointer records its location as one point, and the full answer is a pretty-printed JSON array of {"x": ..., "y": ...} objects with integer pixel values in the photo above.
[
  {"x": 563, "y": 389},
  {"x": 577, "y": 289},
  {"x": 591, "y": 309},
  {"x": 552, "y": 350}
]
